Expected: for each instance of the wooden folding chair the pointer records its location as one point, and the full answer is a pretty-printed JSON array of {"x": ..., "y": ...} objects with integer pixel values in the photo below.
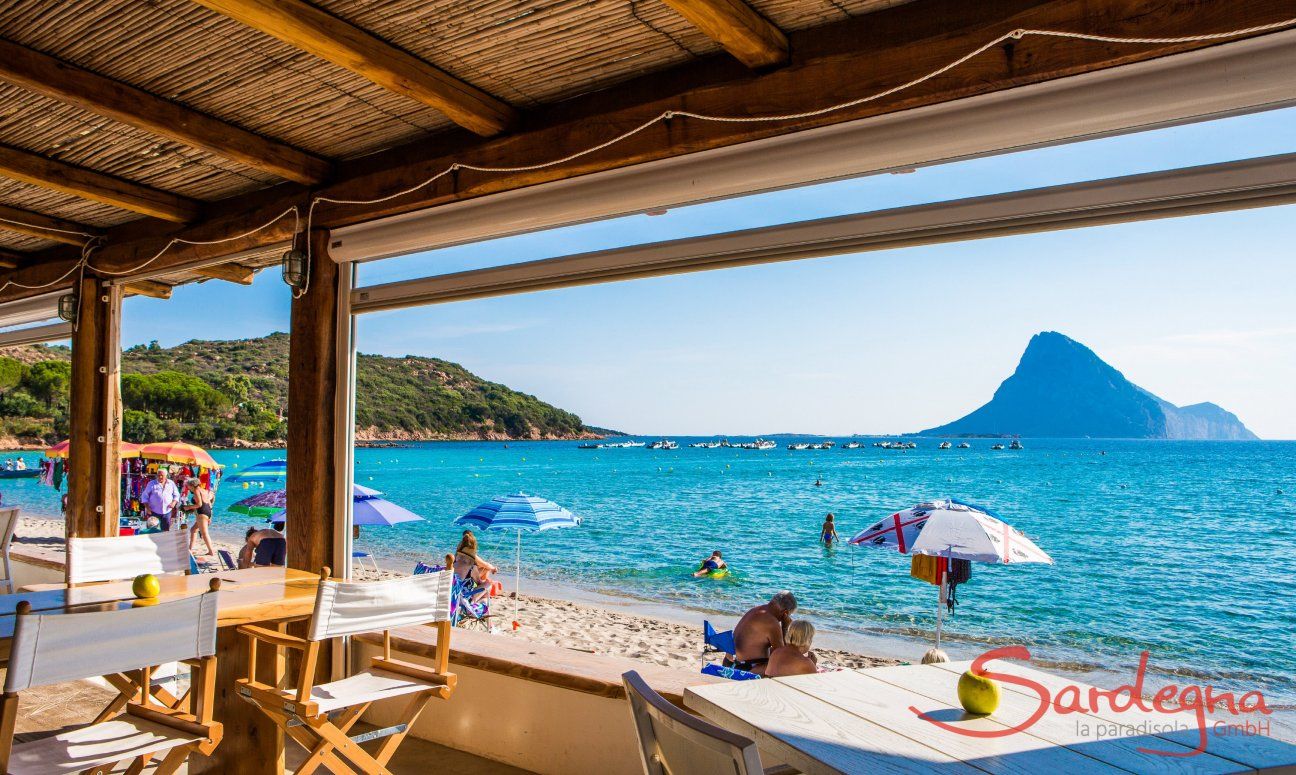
[
  {"x": 117, "y": 558},
  {"x": 51, "y": 649},
  {"x": 674, "y": 742},
  {"x": 319, "y": 717}
]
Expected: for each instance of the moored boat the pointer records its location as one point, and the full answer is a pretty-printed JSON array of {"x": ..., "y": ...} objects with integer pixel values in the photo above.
[
  {"x": 945, "y": 445},
  {"x": 663, "y": 444}
]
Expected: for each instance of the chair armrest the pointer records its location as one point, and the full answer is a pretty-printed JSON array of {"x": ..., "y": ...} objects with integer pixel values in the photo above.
[{"x": 273, "y": 636}]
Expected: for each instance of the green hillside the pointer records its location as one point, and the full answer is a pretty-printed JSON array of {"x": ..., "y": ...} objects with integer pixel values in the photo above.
[{"x": 236, "y": 392}]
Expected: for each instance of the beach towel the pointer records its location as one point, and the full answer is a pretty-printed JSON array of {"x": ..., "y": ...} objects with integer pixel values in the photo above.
[{"x": 731, "y": 673}]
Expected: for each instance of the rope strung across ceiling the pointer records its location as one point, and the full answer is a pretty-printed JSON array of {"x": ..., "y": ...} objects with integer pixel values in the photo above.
[{"x": 94, "y": 243}]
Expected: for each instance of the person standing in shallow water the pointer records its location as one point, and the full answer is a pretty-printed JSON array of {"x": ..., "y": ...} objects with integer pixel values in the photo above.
[{"x": 828, "y": 533}]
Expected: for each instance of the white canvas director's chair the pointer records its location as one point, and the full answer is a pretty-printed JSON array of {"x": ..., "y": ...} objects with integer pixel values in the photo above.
[
  {"x": 118, "y": 558},
  {"x": 319, "y": 717},
  {"x": 51, "y": 649}
]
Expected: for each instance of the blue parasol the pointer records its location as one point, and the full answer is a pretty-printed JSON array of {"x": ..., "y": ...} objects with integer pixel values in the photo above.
[{"x": 519, "y": 512}]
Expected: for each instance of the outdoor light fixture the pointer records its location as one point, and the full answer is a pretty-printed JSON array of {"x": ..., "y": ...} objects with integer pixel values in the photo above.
[
  {"x": 295, "y": 266},
  {"x": 67, "y": 307}
]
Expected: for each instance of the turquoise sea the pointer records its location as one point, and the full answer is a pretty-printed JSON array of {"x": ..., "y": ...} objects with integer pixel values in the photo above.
[{"x": 1183, "y": 549}]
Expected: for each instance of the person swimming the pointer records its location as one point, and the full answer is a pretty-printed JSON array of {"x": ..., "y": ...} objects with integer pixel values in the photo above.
[
  {"x": 828, "y": 533},
  {"x": 712, "y": 564}
]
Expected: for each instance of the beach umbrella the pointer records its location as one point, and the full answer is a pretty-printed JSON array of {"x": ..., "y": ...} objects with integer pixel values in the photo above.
[
  {"x": 265, "y": 472},
  {"x": 518, "y": 512},
  {"x": 953, "y": 530},
  {"x": 127, "y": 449},
  {"x": 178, "y": 452},
  {"x": 368, "y": 507},
  {"x": 263, "y": 504}
]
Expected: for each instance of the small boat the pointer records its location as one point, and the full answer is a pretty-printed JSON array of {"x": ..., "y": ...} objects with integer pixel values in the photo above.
[
  {"x": 590, "y": 446},
  {"x": 1015, "y": 445},
  {"x": 945, "y": 445},
  {"x": 911, "y": 445},
  {"x": 799, "y": 446},
  {"x": 20, "y": 473},
  {"x": 663, "y": 444},
  {"x": 765, "y": 444},
  {"x": 964, "y": 445},
  {"x": 828, "y": 444},
  {"x": 852, "y": 445},
  {"x": 996, "y": 446}
]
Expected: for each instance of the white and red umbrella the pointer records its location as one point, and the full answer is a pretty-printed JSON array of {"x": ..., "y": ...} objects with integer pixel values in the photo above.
[{"x": 954, "y": 530}]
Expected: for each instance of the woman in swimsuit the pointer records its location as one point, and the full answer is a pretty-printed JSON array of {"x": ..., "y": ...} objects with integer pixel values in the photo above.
[
  {"x": 470, "y": 567},
  {"x": 828, "y": 533},
  {"x": 201, "y": 508}
]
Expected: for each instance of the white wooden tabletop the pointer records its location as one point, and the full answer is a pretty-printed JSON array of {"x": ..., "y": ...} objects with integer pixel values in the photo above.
[{"x": 858, "y": 721}]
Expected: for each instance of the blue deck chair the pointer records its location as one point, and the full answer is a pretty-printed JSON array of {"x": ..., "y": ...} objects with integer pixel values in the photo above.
[
  {"x": 227, "y": 559},
  {"x": 463, "y": 611},
  {"x": 716, "y": 642}
]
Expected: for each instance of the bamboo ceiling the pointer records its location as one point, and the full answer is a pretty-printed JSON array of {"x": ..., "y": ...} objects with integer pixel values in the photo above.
[
  {"x": 142, "y": 117},
  {"x": 525, "y": 53}
]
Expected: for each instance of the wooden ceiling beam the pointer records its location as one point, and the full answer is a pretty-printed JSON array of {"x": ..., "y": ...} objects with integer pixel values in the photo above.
[
  {"x": 44, "y": 226},
  {"x": 88, "y": 184},
  {"x": 10, "y": 259},
  {"x": 737, "y": 27},
  {"x": 149, "y": 288},
  {"x": 68, "y": 83},
  {"x": 831, "y": 64},
  {"x": 310, "y": 29},
  {"x": 234, "y": 273}
]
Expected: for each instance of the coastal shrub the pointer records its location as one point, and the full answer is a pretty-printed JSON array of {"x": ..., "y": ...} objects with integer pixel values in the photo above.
[
  {"x": 12, "y": 371},
  {"x": 49, "y": 380},
  {"x": 20, "y": 403},
  {"x": 172, "y": 395},
  {"x": 141, "y": 427}
]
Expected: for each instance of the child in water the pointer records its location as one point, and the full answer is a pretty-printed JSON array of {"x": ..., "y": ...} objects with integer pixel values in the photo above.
[
  {"x": 828, "y": 533},
  {"x": 713, "y": 563}
]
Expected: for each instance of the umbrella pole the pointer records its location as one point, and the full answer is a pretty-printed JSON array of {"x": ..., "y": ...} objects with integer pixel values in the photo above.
[{"x": 517, "y": 571}]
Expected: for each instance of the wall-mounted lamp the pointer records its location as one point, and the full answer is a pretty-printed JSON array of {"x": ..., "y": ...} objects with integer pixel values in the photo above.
[
  {"x": 67, "y": 307},
  {"x": 295, "y": 267}
]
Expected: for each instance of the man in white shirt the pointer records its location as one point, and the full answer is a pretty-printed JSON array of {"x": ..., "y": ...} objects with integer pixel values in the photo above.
[{"x": 160, "y": 498}]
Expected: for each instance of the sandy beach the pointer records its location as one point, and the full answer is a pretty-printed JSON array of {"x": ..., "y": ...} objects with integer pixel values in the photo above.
[{"x": 580, "y": 626}]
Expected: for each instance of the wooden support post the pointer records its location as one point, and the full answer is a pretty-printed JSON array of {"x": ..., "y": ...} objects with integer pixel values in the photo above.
[
  {"x": 94, "y": 455},
  {"x": 313, "y": 392}
]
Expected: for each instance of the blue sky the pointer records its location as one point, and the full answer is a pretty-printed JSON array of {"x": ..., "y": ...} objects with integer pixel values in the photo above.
[{"x": 1193, "y": 309}]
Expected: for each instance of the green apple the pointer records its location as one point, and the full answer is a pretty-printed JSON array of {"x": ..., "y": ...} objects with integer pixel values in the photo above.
[{"x": 977, "y": 694}]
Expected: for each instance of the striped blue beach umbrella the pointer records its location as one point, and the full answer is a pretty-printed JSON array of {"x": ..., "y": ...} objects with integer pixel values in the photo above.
[
  {"x": 518, "y": 512},
  {"x": 267, "y": 472}
]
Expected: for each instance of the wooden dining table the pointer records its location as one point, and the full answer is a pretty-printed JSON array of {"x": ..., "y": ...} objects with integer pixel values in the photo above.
[
  {"x": 252, "y": 742},
  {"x": 868, "y": 720}
]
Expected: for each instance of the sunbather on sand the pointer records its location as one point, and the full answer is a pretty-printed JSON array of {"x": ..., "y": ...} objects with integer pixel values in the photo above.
[
  {"x": 470, "y": 567},
  {"x": 713, "y": 563},
  {"x": 760, "y": 631},
  {"x": 794, "y": 657}
]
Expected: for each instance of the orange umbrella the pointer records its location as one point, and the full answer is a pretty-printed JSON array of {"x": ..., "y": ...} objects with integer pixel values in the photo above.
[
  {"x": 61, "y": 449},
  {"x": 178, "y": 452}
]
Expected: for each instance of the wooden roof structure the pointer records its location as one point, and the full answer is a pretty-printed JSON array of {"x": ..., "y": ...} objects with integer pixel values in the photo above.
[{"x": 133, "y": 122}]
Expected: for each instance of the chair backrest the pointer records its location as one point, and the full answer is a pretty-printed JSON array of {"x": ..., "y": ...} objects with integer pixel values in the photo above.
[
  {"x": 227, "y": 559},
  {"x": 421, "y": 567},
  {"x": 8, "y": 522},
  {"x": 347, "y": 608},
  {"x": 720, "y": 641},
  {"x": 673, "y": 742},
  {"x": 50, "y": 649},
  {"x": 125, "y": 557}
]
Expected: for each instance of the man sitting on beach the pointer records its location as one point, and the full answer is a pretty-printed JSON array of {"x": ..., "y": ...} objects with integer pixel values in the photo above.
[
  {"x": 263, "y": 548},
  {"x": 760, "y": 631},
  {"x": 795, "y": 657}
]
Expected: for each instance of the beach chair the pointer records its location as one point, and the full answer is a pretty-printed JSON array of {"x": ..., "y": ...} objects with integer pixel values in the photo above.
[
  {"x": 125, "y": 557},
  {"x": 466, "y": 613},
  {"x": 716, "y": 642},
  {"x": 729, "y": 673},
  {"x": 8, "y": 523},
  {"x": 320, "y": 716},
  {"x": 358, "y": 559},
  {"x": 226, "y": 559},
  {"x": 674, "y": 742},
  {"x": 67, "y": 647}
]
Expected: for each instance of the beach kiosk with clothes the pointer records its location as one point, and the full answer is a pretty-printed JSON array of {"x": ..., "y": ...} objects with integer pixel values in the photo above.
[{"x": 153, "y": 145}]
